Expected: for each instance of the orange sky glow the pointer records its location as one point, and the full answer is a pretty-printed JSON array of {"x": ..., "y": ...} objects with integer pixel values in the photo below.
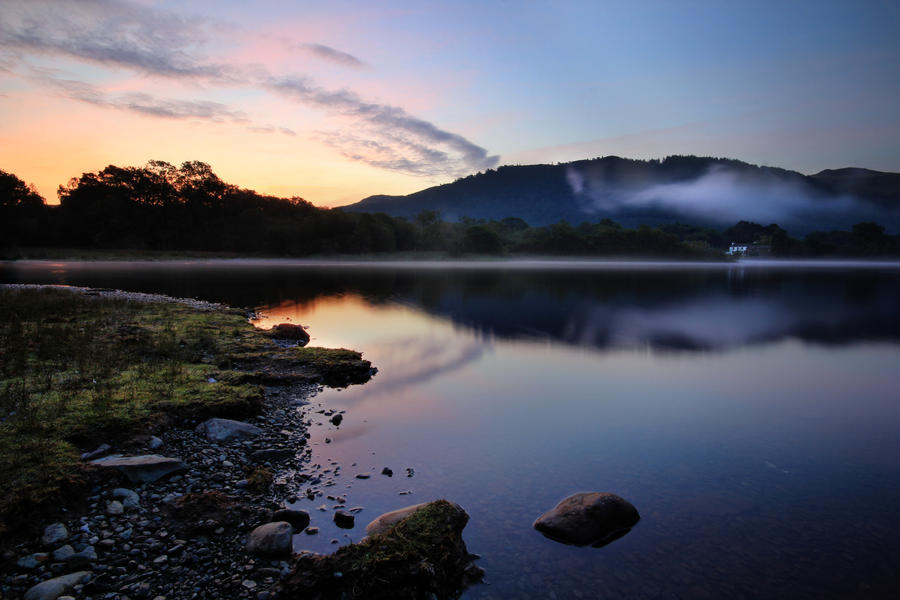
[{"x": 333, "y": 102}]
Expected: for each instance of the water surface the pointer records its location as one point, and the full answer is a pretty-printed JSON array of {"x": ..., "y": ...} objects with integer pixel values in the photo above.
[{"x": 750, "y": 412}]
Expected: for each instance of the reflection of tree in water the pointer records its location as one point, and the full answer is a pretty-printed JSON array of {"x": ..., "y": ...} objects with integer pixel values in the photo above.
[{"x": 674, "y": 309}]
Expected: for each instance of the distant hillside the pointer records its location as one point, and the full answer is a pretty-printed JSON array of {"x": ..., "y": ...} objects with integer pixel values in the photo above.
[{"x": 691, "y": 189}]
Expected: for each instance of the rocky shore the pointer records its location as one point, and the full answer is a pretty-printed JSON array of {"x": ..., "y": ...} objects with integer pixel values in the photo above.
[
  {"x": 199, "y": 507},
  {"x": 182, "y": 535}
]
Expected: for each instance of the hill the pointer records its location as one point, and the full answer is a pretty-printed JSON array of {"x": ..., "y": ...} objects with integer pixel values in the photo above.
[{"x": 699, "y": 190}]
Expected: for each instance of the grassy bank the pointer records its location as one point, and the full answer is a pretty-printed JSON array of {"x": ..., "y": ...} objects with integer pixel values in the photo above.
[{"x": 78, "y": 370}]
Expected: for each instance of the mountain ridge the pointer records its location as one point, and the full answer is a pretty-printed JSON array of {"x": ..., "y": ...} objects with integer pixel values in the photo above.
[{"x": 702, "y": 190}]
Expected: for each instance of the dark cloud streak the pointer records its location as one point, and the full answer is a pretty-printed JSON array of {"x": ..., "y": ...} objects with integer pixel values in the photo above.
[
  {"x": 336, "y": 56},
  {"x": 146, "y": 104}
]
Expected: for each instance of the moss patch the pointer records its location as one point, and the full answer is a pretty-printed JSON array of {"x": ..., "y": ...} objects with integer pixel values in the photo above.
[
  {"x": 334, "y": 367},
  {"x": 423, "y": 556},
  {"x": 77, "y": 370}
]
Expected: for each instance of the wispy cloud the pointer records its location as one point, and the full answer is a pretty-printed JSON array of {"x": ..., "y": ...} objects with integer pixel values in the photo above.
[
  {"x": 150, "y": 41},
  {"x": 168, "y": 108},
  {"x": 412, "y": 145},
  {"x": 336, "y": 56},
  {"x": 109, "y": 32},
  {"x": 272, "y": 129}
]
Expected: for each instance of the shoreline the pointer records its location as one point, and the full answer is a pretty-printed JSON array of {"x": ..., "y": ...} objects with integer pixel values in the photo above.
[
  {"x": 183, "y": 536},
  {"x": 474, "y": 264}
]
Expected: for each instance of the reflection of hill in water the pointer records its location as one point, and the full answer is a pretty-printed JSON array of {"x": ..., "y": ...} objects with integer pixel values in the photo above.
[
  {"x": 672, "y": 309},
  {"x": 685, "y": 311}
]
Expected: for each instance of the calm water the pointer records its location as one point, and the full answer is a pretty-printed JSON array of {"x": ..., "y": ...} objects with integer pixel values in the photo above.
[{"x": 749, "y": 412}]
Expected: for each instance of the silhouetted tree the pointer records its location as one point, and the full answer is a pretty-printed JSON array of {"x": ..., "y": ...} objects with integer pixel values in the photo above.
[{"x": 21, "y": 212}]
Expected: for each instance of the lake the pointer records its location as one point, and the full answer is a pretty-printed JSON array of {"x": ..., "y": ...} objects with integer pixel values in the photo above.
[{"x": 750, "y": 411}]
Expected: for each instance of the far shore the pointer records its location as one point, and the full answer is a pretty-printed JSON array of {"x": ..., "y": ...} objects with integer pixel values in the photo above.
[{"x": 428, "y": 261}]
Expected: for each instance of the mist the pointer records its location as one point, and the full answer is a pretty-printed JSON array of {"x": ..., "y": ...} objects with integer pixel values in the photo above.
[{"x": 721, "y": 195}]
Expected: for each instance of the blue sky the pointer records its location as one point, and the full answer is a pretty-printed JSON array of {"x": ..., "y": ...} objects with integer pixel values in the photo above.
[{"x": 335, "y": 101}]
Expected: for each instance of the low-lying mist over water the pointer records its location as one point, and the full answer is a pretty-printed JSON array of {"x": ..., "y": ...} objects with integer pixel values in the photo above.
[{"x": 599, "y": 304}]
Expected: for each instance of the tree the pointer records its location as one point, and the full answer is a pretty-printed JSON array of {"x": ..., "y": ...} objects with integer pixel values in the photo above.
[
  {"x": 21, "y": 212},
  {"x": 482, "y": 239},
  {"x": 16, "y": 194}
]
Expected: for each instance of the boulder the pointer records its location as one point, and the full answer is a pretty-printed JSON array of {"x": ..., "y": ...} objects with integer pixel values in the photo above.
[
  {"x": 289, "y": 331},
  {"x": 588, "y": 518},
  {"x": 427, "y": 559},
  {"x": 271, "y": 539},
  {"x": 388, "y": 520},
  {"x": 56, "y": 587},
  {"x": 223, "y": 430},
  {"x": 144, "y": 468},
  {"x": 299, "y": 519},
  {"x": 54, "y": 534},
  {"x": 115, "y": 508}
]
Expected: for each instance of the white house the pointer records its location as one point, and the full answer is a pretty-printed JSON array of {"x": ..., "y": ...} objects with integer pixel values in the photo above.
[{"x": 737, "y": 249}]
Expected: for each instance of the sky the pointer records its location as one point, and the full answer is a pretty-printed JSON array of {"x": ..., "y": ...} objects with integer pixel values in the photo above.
[{"x": 335, "y": 101}]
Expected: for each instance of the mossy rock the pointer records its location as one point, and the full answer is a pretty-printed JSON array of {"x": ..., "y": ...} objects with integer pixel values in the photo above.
[
  {"x": 422, "y": 556},
  {"x": 337, "y": 367}
]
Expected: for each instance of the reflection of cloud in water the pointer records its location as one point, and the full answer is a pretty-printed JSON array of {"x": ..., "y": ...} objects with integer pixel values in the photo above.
[
  {"x": 346, "y": 433},
  {"x": 713, "y": 323},
  {"x": 413, "y": 361},
  {"x": 708, "y": 323}
]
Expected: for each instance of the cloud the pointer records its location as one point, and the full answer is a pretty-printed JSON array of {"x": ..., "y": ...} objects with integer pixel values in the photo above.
[
  {"x": 336, "y": 56},
  {"x": 272, "y": 129},
  {"x": 147, "y": 104},
  {"x": 405, "y": 139},
  {"x": 150, "y": 41},
  {"x": 109, "y": 32}
]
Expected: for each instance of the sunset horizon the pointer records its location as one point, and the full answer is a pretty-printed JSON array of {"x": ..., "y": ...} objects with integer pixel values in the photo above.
[{"x": 336, "y": 104}]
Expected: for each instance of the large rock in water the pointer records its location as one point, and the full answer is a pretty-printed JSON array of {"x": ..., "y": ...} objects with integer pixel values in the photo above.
[
  {"x": 386, "y": 521},
  {"x": 420, "y": 556},
  {"x": 594, "y": 518},
  {"x": 223, "y": 430},
  {"x": 144, "y": 468},
  {"x": 271, "y": 539},
  {"x": 290, "y": 331},
  {"x": 56, "y": 587}
]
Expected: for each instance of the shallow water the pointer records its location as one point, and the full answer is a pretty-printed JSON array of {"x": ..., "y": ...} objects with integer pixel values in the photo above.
[{"x": 750, "y": 412}]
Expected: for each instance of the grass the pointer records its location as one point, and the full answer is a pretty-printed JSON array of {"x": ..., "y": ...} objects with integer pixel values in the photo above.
[{"x": 78, "y": 370}]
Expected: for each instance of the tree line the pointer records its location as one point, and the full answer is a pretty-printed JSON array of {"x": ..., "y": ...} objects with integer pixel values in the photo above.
[{"x": 161, "y": 207}]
